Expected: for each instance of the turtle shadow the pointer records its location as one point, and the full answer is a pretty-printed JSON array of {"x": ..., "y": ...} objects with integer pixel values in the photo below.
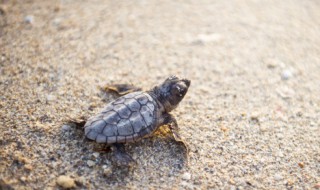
[
  {"x": 160, "y": 152},
  {"x": 155, "y": 158},
  {"x": 159, "y": 147},
  {"x": 152, "y": 155},
  {"x": 90, "y": 158}
]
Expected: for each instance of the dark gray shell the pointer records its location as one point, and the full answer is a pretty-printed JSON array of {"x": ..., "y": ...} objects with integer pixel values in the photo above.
[{"x": 127, "y": 119}]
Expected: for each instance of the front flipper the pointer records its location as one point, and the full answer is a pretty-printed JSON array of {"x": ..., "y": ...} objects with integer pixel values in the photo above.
[
  {"x": 121, "y": 158},
  {"x": 173, "y": 126},
  {"x": 120, "y": 89}
]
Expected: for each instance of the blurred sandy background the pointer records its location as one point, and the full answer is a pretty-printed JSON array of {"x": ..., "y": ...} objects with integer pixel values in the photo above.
[{"x": 251, "y": 116}]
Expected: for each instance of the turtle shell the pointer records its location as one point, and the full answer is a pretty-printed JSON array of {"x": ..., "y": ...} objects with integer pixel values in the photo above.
[{"x": 126, "y": 119}]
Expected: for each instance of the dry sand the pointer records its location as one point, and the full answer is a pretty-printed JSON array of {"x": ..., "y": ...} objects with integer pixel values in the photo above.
[{"x": 251, "y": 116}]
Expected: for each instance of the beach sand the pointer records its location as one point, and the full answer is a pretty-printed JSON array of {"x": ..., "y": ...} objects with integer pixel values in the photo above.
[{"x": 250, "y": 117}]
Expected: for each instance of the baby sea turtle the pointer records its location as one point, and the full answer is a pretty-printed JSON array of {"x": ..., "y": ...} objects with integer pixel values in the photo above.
[{"x": 137, "y": 115}]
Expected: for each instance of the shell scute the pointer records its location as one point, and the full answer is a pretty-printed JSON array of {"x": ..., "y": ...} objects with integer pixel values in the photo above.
[
  {"x": 125, "y": 112},
  {"x": 91, "y": 134},
  {"x": 137, "y": 122},
  {"x": 111, "y": 117},
  {"x": 112, "y": 139},
  {"x": 142, "y": 99},
  {"x": 110, "y": 130},
  {"x": 101, "y": 138},
  {"x": 98, "y": 125},
  {"x": 125, "y": 128},
  {"x": 119, "y": 101},
  {"x": 132, "y": 104},
  {"x": 147, "y": 115},
  {"x": 131, "y": 95}
]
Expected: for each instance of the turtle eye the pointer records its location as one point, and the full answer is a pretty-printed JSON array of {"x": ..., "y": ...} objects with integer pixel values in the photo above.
[
  {"x": 178, "y": 91},
  {"x": 175, "y": 90},
  {"x": 182, "y": 92}
]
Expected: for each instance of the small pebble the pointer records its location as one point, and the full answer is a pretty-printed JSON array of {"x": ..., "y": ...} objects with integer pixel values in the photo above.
[
  {"x": 274, "y": 63},
  {"x": 28, "y": 167},
  {"x": 81, "y": 180},
  {"x": 186, "y": 185},
  {"x": 280, "y": 154},
  {"x": 66, "y": 127},
  {"x": 107, "y": 170},
  {"x": 65, "y": 182},
  {"x": 50, "y": 97},
  {"x": 286, "y": 92},
  {"x": 286, "y": 74},
  {"x": 3, "y": 10},
  {"x": 278, "y": 177},
  {"x": 224, "y": 129},
  {"x": 186, "y": 176},
  {"x": 29, "y": 19},
  {"x": 204, "y": 38},
  {"x": 56, "y": 21},
  {"x": 301, "y": 164},
  {"x": 96, "y": 154},
  {"x": 290, "y": 182},
  {"x": 231, "y": 181},
  {"x": 317, "y": 186},
  {"x": 90, "y": 163}
]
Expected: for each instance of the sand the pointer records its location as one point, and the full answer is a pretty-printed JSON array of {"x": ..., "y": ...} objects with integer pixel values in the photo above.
[{"x": 251, "y": 116}]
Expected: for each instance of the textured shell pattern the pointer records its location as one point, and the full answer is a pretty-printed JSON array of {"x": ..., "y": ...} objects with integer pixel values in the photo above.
[{"x": 127, "y": 119}]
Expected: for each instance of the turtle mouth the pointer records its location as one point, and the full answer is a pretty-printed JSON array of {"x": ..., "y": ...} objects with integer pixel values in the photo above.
[{"x": 187, "y": 82}]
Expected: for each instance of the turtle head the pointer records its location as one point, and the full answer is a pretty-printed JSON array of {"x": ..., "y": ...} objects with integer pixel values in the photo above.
[{"x": 172, "y": 91}]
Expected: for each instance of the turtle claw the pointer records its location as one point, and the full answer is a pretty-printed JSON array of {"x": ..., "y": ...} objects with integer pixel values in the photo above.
[
  {"x": 121, "y": 158},
  {"x": 178, "y": 139}
]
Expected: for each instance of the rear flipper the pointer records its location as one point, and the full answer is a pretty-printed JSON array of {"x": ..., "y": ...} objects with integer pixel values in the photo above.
[{"x": 120, "y": 157}]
